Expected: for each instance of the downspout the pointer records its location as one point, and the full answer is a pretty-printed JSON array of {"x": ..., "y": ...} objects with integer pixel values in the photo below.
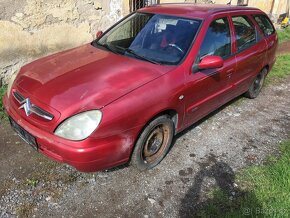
[
  {"x": 288, "y": 9},
  {"x": 272, "y": 7}
]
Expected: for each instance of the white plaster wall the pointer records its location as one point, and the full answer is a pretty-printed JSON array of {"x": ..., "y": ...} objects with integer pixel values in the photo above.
[{"x": 30, "y": 29}]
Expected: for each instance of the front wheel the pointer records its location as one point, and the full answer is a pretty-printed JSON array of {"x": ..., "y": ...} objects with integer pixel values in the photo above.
[
  {"x": 153, "y": 143},
  {"x": 257, "y": 85}
]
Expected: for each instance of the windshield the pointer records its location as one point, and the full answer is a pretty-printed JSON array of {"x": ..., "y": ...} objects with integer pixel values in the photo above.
[{"x": 156, "y": 38}]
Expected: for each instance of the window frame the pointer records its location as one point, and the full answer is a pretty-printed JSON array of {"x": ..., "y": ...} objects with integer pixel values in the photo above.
[
  {"x": 253, "y": 24},
  {"x": 257, "y": 24},
  {"x": 221, "y": 16}
]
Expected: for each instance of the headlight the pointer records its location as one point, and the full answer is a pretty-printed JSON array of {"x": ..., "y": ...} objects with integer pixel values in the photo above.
[
  {"x": 80, "y": 126},
  {"x": 11, "y": 83}
]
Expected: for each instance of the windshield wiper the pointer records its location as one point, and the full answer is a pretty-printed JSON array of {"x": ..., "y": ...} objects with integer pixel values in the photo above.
[
  {"x": 108, "y": 47},
  {"x": 132, "y": 52}
]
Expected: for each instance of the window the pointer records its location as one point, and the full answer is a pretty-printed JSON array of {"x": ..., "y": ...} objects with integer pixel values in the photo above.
[
  {"x": 243, "y": 2},
  {"x": 136, "y": 4},
  {"x": 128, "y": 31},
  {"x": 151, "y": 37},
  {"x": 245, "y": 32},
  {"x": 217, "y": 40},
  {"x": 265, "y": 24}
]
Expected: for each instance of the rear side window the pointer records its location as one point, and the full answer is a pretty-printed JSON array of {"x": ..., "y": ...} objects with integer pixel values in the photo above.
[
  {"x": 217, "y": 40},
  {"x": 245, "y": 32},
  {"x": 265, "y": 24}
]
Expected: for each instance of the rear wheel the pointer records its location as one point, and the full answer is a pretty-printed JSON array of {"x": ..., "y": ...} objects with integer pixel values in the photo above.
[
  {"x": 257, "y": 85},
  {"x": 153, "y": 143}
]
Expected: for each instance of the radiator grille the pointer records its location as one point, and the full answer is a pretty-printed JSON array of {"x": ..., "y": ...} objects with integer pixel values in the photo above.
[{"x": 33, "y": 109}]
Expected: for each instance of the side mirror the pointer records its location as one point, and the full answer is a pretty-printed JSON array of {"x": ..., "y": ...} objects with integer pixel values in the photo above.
[
  {"x": 209, "y": 62},
  {"x": 99, "y": 34}
]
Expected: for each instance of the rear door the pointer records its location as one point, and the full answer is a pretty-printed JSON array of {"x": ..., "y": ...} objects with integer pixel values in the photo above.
[
  {"x": 250, "y": 49},
  {"x": 270, "y": 35},
  {"x": 209, "y": 88}
]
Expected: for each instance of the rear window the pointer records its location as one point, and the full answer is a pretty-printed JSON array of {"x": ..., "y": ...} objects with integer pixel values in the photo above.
[{"x": 265, "y": 24}]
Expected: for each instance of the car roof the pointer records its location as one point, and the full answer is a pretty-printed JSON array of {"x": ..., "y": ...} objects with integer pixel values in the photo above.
[{"x": 193, "y": 10}]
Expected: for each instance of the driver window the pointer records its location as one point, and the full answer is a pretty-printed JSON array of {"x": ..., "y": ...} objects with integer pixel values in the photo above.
[{"x": 217, "y": 40}]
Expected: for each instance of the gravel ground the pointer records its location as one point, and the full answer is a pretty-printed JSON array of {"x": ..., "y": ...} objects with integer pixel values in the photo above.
[
  {"x": 284, "y": 47},
  {"x": 204, "y": 156}
]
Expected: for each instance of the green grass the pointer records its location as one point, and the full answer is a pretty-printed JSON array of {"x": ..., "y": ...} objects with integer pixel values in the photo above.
[
  {"x": 32, "y": 182},
  {"x": 281, "y": 69},
  {"x": 2, "y": 93},
  {"x": 263, "y": 191},
  {"x": 284, "y": 34}
]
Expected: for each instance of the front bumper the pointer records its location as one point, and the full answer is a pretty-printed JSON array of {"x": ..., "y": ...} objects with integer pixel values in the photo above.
[{"x": 88, "y": 155}]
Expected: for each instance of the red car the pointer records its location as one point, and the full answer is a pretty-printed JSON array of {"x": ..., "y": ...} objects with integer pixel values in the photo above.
[{"x": 124, "y": 96}]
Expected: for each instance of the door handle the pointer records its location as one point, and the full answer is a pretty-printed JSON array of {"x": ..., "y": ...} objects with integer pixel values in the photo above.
[{"x": 229, "y": 73}]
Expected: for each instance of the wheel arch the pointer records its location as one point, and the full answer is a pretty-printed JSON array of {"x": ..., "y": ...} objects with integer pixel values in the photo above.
[
  {"x": 172, "y": 113},
  {"x": 267, "y": 67}
]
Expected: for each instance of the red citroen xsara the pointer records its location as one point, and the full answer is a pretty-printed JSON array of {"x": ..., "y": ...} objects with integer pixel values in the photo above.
[{"x": 124, "y": 96}]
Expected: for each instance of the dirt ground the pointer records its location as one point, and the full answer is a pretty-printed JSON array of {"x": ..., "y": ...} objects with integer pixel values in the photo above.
[
  {"x": 284, "y": 47},
  {"x": 204, "y": 156}
]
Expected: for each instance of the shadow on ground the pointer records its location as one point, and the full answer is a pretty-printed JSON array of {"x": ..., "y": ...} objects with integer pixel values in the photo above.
[{"x": 227, "y": 201}]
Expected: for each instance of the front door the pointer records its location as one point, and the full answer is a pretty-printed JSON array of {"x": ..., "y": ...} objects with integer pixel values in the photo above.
[{"x": 208, "y": 89}]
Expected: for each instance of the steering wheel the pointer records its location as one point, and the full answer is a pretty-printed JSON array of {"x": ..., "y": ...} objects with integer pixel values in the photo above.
[{"x": 171, "y": 45}]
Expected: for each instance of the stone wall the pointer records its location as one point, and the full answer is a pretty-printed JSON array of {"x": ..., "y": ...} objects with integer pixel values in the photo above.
[{"x": 30, "y": 29}]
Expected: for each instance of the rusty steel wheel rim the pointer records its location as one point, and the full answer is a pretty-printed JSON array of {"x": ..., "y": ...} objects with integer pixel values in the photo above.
[{"x": 156, "y": 143}]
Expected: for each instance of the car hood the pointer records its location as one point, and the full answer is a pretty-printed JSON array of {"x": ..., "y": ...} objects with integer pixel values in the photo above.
[{"x": 85, "y": 78}]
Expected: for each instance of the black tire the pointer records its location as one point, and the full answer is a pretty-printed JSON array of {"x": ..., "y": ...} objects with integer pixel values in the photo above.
[
  {"x": 256, "y": 86},
  {"x": 153, "y": 143}
]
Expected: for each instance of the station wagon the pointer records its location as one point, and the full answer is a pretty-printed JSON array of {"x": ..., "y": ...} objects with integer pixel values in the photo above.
[{"x": 123, "y": 97}]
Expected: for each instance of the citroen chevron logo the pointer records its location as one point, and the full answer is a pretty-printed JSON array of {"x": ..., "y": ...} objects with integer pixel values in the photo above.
[{"x": 26, "y": 105}]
